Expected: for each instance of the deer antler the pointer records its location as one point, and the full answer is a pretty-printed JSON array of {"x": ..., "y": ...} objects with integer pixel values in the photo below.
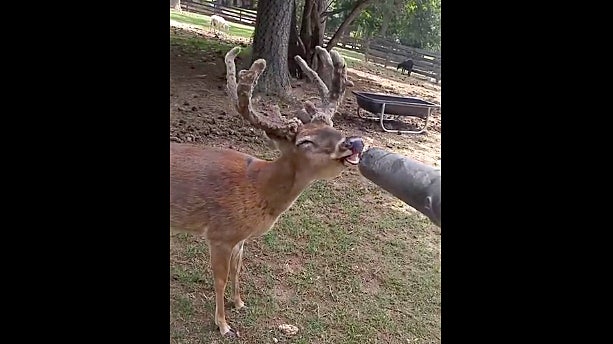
[
  {"x": 268, "y": 120},
  {"x": 331, "y": 91}
]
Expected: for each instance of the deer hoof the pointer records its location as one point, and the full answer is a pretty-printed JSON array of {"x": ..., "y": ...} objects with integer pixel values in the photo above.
[
  {"x": 232, "y": 333},
  {"x": 239, "y": 305}
]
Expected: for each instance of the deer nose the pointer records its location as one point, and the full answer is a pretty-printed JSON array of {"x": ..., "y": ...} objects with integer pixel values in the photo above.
[{"x": 354, "y": 143}]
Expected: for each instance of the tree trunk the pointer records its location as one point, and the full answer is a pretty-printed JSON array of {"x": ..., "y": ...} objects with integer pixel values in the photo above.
[
  {"x": 390, "y": 12},
  {"x": 359, "y": 6},
  {"x": 306, "y": 31},
  {"x": 323, "y": 19},
  {"x": 271, "y": 39},
  {"x": 319, "y": 29},
  {"x": 384, "y": 26},
  {"x": 366, "y": 47},
  {"x": 312, "y": 28},
  {"x": 295, "y": 46},
  {"x": 176, "y": 4}
]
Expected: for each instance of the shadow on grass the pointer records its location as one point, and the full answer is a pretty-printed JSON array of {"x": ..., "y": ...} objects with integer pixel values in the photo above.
[{"x": 196, "y": 46}]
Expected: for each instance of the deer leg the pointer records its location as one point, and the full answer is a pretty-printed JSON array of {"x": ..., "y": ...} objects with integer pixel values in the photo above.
[
  {"x": 220, "y": 261},
  {"x": 236, "y": 262}
]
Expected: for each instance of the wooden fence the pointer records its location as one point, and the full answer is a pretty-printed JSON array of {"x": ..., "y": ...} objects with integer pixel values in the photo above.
[
  {"x": 389, "y": 53},
  {"x": 377, "y": 50},
  {"x": 231, "y": 14}
]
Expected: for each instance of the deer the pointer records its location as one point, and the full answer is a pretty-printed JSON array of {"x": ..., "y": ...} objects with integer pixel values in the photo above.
[
  {"x": 228, "y": 196},
  {"x": 220, "y": 23}
]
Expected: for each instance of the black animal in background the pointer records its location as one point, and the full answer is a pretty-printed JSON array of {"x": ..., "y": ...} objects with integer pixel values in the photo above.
[{"x": 406, "y": 65}]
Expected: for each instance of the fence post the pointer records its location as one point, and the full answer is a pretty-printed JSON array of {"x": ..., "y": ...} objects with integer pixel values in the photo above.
[
  {"x": 387, "y": 53},
  {"x": 366, "y": 48}
]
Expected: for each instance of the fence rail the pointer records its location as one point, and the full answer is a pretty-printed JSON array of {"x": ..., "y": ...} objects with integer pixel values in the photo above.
[
  {"x": 377, "y": 50},
  {"x": 231, "y": 14},
  {"x": 389, "y": 53}
]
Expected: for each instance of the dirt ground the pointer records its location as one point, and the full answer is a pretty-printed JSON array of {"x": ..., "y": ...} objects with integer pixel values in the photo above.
[{"x": 200, "y": 112}]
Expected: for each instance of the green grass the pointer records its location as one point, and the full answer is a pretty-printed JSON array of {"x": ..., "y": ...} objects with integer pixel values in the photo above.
[
  {"x": 349, "y": 274},
  {"x": 350, "y": 54},
  {"x": 197, "y": 46},
  {"x": 353, "y": 58},
  {"x": 341, "y": 264},
  {"x": 204, "y": 22},
  {"x": 240, "y": 30}
]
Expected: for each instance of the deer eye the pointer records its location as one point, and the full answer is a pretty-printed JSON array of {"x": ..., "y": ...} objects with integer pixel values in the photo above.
[{"x": 305, "y": 144}]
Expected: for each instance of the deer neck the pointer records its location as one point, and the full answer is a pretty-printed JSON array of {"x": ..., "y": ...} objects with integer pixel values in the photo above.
[{"x": 283, "y": 181}]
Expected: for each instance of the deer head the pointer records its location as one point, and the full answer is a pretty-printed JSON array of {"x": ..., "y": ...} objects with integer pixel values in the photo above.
[{"x": 308, "y": 135}]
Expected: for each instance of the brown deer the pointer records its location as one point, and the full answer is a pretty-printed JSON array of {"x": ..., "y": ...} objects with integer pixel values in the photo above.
[{"x": 228, "y": 196}]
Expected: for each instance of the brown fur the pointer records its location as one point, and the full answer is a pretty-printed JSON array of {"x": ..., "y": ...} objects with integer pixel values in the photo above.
[{"x": 228, "y": 196}]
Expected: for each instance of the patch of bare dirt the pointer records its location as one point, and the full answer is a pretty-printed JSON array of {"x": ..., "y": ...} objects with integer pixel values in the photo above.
[
  {"x": 283, "y": 293},
  {"x": 199, "y": 109},
  {"x": 370, "y": 285}
]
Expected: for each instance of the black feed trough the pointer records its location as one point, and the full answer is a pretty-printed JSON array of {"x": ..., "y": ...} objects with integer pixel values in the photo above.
[{"x": 382, "y": 106}]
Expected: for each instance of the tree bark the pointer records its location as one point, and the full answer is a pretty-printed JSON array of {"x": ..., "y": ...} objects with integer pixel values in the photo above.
[
  {"x": 366, "y": 47},
  {"x": 271, "y": 40},
  {"x": 323, "y": 19},
  {"x": 319, "y": 28},
  {"x": 296, "y": 47},
  {"x": 359, "y": 6},
  {"x": 312, "y": 28},
  {"x": 390, "y": 12},
  {"x": 306, "y": 30},
  {"x": 384, "y": 26}
]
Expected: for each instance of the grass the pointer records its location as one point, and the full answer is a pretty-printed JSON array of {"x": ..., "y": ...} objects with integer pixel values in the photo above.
[
  {"x": 204, "y": 22},
  {"x": 347, "y": 263},
  {"x": 353, "y": 59},
  {"x": 199, "y": 47},
  {"x": 342, "y": 275},
  {"x": 240, "y": 30},
  {"x": 350, "y": 54}
]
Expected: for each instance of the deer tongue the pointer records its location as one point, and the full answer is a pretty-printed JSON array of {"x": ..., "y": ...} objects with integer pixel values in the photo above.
[
  {"x": 353, "y": 159},
  {"x": 357, "y": 145}
]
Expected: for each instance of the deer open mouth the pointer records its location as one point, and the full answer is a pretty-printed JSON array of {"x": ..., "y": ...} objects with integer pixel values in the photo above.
[
  {"x": 356, "y": 145},
  {"x": 353, "y": 159}
]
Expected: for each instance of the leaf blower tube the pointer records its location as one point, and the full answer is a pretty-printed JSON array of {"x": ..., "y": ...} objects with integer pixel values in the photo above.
[{"x": 416, "y": 184}]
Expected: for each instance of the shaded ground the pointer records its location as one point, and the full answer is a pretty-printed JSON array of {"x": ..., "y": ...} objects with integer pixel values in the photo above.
[{"x": 348, "y": 263}]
